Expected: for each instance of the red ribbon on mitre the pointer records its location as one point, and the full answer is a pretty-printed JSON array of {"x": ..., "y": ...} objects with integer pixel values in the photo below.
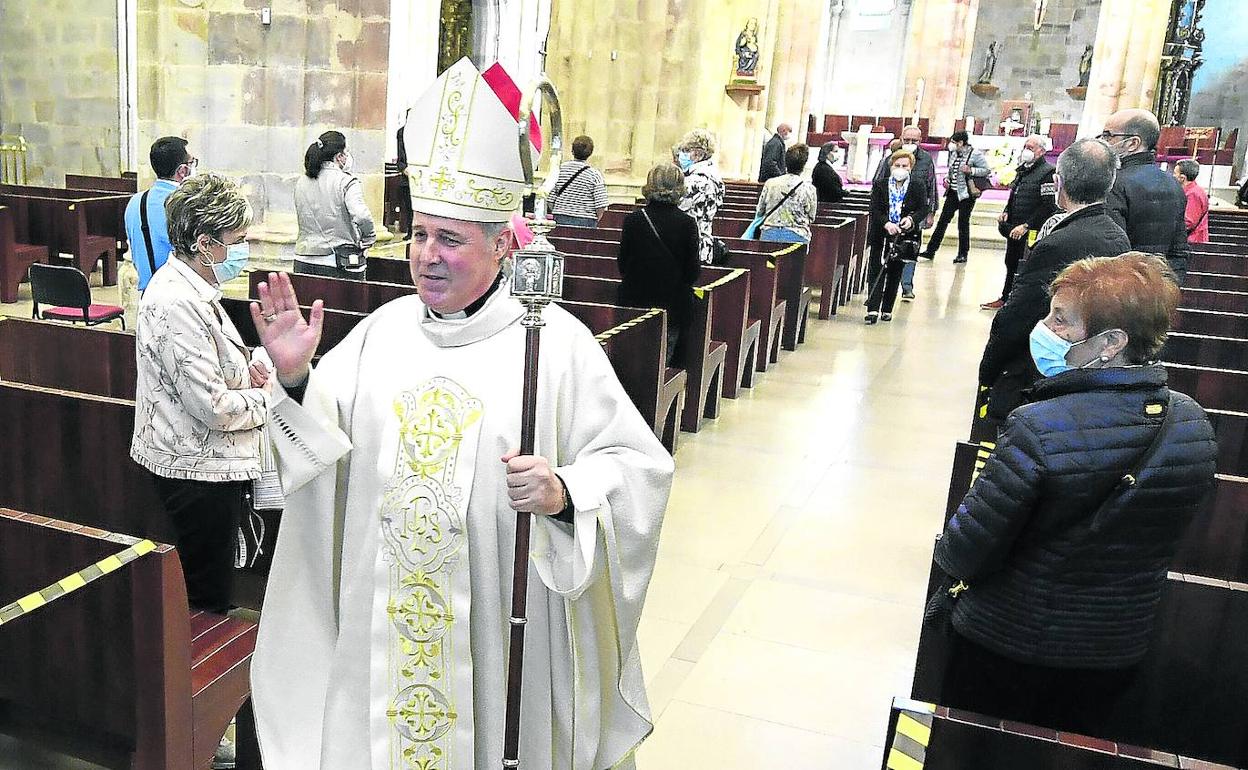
[{"x": 509, "y": 94}]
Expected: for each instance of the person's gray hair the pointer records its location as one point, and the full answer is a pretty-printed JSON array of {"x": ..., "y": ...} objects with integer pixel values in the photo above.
[
  {"x": 205, "y": 204},
  {"x": 492, "y": 230},
  {"x": 1190, "y": 169},
  {"x": 1087, "y": 169},
  {"x": 699, "y": 139}
]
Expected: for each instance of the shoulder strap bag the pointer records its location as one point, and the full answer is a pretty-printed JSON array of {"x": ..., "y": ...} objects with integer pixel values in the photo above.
[
  {"x": 147, "y": 231},
  {"x": 755, "y": 230},
  {"x": 563, "y": 188}
]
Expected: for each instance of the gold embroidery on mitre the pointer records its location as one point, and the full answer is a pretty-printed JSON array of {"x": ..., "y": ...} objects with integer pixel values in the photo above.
[
  {"x": 446, "y": 178},
  {"x": 423, "y": 536}
]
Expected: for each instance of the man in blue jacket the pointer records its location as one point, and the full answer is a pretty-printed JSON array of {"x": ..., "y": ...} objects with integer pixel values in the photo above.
[{"x": 149, "y": 236}]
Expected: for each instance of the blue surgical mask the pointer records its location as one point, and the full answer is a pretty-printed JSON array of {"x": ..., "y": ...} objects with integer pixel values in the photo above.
[
  {"x": 236, "y": 256},
  {"x": 1048, "y": 350},
  {"x": 684, "y": 160}
]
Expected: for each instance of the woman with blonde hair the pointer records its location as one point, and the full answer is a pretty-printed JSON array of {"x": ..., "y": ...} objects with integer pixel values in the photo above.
[{"x": 659, "y": 253}]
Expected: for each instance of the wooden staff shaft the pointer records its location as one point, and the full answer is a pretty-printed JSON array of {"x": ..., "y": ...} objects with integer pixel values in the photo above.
[{"x": 520, "y": 573}]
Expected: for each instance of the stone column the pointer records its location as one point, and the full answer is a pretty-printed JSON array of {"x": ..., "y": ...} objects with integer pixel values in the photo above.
[
  {"x": 938, "y": 50},
  {"x": 1126, "y": 59}
]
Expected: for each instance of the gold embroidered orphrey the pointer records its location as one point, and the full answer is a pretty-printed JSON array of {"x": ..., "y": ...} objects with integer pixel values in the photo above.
[
  {"x": 447, "y": 180},
  {"x": 423, "y": 538}
]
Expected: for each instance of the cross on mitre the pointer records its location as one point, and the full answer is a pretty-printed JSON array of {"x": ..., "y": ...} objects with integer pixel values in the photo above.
[{"x": 462, "y": 149}]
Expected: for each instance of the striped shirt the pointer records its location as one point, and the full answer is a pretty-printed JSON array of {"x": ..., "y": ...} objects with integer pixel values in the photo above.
[{"x": 584, "y": 196}]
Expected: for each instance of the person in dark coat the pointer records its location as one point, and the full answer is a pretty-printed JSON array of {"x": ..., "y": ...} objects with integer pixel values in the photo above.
[
  {"x": 899, "y": 204},
  {"x": 1146, "y": 201},
  {"x": 772, "y": 163},
  {"x": 1085, "y": 172},
  {"x": 1057, "y": 566},
  {"x": 828, "y": 185},
  {"x": 924, "y": 170},
  {"x": 658, "y": 255},
  {"x": 1033, "y": 199}
]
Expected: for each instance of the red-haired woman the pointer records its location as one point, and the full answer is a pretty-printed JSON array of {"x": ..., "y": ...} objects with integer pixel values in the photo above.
[{"x": 1062, "y": 563}]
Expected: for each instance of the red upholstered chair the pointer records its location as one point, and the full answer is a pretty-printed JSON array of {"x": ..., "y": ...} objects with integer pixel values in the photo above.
[{"x": 67, "y": 290}]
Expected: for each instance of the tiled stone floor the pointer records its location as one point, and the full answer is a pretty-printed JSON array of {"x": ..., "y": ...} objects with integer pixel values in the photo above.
[{"x": 785, "y": 607}]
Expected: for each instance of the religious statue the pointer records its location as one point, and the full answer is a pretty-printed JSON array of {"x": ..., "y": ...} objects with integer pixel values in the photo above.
[
  {"x": 990, "y": 62},
  {"x": 1085, "y": 66},
  {"x": 747, "y": 52}
]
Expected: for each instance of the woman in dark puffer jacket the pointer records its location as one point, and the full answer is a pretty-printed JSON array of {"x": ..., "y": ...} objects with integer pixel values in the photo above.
[{"x": 1060, "y": 590}]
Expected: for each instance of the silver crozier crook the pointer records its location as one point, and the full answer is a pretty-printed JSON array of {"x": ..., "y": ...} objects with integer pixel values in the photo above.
[{"x": 537, "y": 280}]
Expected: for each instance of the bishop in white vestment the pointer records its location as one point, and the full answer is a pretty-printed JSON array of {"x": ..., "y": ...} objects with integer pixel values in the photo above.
[{"x": 383, "y": 637}]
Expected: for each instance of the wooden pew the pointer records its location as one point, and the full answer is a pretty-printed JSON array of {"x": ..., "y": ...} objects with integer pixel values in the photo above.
[
  {"x": 119, "y": 669},
  {"x": 636, "y": 352},
  {"x": 731, "y": 321},
  {"x": 80, "y": 405},
  {"x": 1207, "y": 299},
  {"x": 1216, "y": 281},
  {"x": 122, "y": 184},
  {"x": 1214, "y": 322},
  {"x": 68, "y": 226},
  {"x": 957, "y": 740},
  {"x": 337, "y": 324},
  {"x": 1212, "y": 388},
  {"x": 780, "y": 262},
  {"x": 1206, "y": 351},
  {"x": 87, "y": 360},
  {"x": 16, "y": 257}
]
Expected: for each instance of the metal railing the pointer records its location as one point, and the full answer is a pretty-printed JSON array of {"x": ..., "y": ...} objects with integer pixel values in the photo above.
[{"x": 12, "y": 159}]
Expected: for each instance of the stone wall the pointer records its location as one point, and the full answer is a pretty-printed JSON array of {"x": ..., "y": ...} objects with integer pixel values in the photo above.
[
  {"x": 1043, "y": 64},
  {"x": 250, "y": 98},
  {"x": 58, "y": 86},
  {"x": 637, "y": 75}
]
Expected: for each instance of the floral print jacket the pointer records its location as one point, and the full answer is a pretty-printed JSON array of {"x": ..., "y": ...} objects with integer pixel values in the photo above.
[
  {"x": 196, "y": 415},
  {"x": 704, "y": 194}
]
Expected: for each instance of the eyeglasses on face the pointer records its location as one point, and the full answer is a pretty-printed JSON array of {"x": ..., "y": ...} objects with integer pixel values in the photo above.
[{"x": 1107, "y": 135}]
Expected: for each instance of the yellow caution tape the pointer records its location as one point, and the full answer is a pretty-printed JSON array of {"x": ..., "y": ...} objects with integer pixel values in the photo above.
[
  {"x": 609, "y": 333},
  {"x": 911, "y": 737},
  {"x": 73, "y": 582}
]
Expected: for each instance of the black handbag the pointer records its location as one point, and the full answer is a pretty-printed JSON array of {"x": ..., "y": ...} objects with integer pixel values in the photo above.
[
  {"x": 903, "y": 250},
  {"x": 349, "y": 256}
]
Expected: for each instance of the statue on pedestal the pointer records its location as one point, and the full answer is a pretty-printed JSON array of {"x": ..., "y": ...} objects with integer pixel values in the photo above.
[
  {"x": 746, "y": 53},
  {"x": 1085, "y": 66},
  {"x": 990, "y": 63}
]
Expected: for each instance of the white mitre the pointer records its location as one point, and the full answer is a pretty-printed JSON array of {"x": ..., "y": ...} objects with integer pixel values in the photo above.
[{"x": 463, "y": 153}]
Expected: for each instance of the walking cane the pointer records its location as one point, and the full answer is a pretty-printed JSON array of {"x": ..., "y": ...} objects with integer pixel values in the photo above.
[{"x": 537, "y": 280}]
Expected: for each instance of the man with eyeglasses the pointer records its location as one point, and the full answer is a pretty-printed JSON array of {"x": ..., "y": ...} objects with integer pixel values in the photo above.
[
  {"x": 1146, "y": 201},
  {"x": 146, "y": 227}
]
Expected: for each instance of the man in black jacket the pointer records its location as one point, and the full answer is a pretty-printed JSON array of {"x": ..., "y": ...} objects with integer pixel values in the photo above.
[
  {"x": 1033, "y": 199},
  {"x": 1146, "y": 201},
  {"x": 772, "y": 164},
  {"x": 1085, "y": 173}
]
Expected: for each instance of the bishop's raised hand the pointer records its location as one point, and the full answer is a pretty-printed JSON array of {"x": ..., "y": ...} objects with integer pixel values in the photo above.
[{"x": 289, "y": 339}]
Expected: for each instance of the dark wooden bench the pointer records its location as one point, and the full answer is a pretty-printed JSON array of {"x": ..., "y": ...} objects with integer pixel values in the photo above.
[
  {"x": 1207, "y": 299},
  {"x": 766, "y": 274},
  {"x": 1216, "y": 281},
  {"x": 1206, "y": 350},
  {"x": 16, "y": 257},
  {"x": 1212, "y": 388},
  {"x": 77, "y": 227},
  {"x": 656, "y": 391},
  {"x": 731, "y": 321},
  {"x": 118, "y": 670},
  {"x": 95, "y": 361},
  {"x": 953, "y": 739},
  {"x": 704, "y": 357},
  {"x": 1214, "y": 322},
  {"x": 126, "y": 183}
]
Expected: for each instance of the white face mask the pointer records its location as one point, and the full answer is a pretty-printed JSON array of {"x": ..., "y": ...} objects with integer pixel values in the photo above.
[
  {"x": 901, "y": 174},
  {"x": 1026, "y": 156},
  {"x": 348, "y": 162},
  {"x": 909, "y": 147}
]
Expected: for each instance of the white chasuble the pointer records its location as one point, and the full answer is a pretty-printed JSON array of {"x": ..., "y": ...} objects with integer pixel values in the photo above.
[{"x": 383, "y": 639}]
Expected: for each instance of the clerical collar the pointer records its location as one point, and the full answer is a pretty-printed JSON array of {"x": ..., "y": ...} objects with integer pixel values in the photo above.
[{"x": 473, "y": 307}]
